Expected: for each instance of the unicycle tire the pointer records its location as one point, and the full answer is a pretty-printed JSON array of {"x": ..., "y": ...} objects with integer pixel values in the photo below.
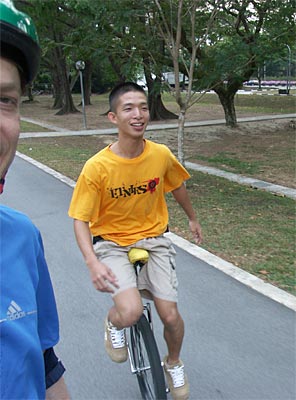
[{"x": 146, "y": 358}]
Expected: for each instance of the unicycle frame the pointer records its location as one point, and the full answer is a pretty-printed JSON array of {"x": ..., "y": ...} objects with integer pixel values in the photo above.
[
  {"x": 147, "y": 313},
  {"x": 144, "y": 356}
]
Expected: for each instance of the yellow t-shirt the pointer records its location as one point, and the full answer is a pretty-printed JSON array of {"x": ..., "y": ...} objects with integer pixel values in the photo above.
[{"x": 124, "y": 199}]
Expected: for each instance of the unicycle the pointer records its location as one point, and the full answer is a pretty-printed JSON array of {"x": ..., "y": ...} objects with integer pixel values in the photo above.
[{"x": 142, "y": 347}]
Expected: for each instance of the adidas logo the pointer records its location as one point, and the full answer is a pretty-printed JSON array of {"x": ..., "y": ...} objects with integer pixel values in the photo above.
[{"x": 14, "y": 311}]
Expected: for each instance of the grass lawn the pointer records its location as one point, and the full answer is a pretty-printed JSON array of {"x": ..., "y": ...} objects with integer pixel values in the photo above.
[
  {"x": 29, "y": 127},
  {"x": 257, "y": 104},
  {"x": 253, "y": 229}
]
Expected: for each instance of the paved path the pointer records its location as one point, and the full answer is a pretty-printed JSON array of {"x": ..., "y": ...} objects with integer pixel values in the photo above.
[
  {"x": 239, "y": 344},
  {"x": 58, "y": 131},
  {"x": 243, "y": 180}
]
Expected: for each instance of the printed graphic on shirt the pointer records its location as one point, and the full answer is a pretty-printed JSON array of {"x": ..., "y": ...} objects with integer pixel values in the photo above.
[
  {"x": 134, "y": 189},
  {"x": 14, "y": 312}
]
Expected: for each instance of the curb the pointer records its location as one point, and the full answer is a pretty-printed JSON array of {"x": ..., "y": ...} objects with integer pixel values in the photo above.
[
  {"x": 47, "y": 169},
  {"x": 257, "y": 284},
  {"x": 244, "y": 180}
]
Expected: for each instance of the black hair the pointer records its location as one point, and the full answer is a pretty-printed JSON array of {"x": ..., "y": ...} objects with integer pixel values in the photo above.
[{"x": 121, "y": 89}]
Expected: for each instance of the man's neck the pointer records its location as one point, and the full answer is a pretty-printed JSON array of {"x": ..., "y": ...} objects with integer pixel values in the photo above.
[{"x": 129, "y": 150}]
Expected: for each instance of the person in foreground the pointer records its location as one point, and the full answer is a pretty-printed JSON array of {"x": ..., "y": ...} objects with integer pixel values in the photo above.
[
  {"x": 118, "y": 204},
  {"x": 29, "y": 327}
]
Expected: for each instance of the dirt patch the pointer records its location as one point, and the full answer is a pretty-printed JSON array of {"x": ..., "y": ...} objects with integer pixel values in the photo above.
[
  {"x": 265, "y": 150},
  {"x": 41, "y": 110}
]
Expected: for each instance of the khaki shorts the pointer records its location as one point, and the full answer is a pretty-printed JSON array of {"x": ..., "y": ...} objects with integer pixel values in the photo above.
[{"x": 158, "y": 276}]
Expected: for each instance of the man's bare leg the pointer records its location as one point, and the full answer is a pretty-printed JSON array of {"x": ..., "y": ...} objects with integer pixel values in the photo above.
[
  {"x": 58, "y": 391},
  {"x": 127, "y": 308},
  {"x": 173, "y": 328}
]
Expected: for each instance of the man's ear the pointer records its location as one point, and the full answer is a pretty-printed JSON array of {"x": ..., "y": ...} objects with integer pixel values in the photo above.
[{"x": 112, "y": 117}]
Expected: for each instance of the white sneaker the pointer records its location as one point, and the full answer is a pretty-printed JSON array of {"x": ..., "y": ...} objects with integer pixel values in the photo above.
[{"x": 115, "y": 343}]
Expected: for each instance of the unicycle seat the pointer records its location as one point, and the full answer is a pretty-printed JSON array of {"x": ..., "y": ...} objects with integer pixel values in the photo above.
[{"x": 138, "y": 256}]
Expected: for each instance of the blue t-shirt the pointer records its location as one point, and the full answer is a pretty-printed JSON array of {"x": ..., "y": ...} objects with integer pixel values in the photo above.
[{"x": 28, "y": 319}]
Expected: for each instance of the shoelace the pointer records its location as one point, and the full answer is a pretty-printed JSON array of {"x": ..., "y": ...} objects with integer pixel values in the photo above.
[
  {"x": 177, "y": 375},
  {"x": 117, "y": 337}
]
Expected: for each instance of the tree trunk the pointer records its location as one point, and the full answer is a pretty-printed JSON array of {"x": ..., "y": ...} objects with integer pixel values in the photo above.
[
  {"x": 74, "y": 80},
  {"x": 157, "y": 109},
  {"x": 181, "y": 125},
  {"x": 29, "y": 93},
  {"x": 61, "y": 76},
  {"x": 57, "y": 93},
  {"x": 58, "y": 101},
  {"x": 68, "y": 104},
  {"x": 226, "y": 97}
]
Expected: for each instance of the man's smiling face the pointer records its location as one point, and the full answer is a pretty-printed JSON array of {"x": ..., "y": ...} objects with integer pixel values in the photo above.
[{"x": 131, "y": 115}]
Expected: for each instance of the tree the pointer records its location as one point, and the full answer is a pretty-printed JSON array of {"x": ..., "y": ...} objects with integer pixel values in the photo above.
[
  {"x": 216, "y": 44},
  {"x": 52, "y": 19},
  {"x": 241, "y": 35},
  {"x": 246, "y": 34},
  {"x": 153, "y": 64},
  {"x": 132, "y": 47},
  {"x": 87, "y": 39},
  {"x": 173, "y": 16}
]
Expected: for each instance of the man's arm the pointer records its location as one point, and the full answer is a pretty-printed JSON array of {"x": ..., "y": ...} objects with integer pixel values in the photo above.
[
  {"x": 101, "y": 275},
  {"x": 181, "y": 196}
]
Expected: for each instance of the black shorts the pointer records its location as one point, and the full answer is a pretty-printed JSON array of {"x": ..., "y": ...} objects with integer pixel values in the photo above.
[{"x": 54, "y": 368}]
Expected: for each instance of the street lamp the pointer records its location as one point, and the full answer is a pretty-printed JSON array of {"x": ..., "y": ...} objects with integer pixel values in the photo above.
[{"x": 80, "y": 65}]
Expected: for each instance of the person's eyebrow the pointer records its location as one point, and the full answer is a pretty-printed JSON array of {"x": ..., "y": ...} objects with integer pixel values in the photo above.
[
  {"x": 131, "y": 104},
  {"x": 9, "y": 86}
]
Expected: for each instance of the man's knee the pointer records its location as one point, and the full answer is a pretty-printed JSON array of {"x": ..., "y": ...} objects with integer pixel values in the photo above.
[
  {"x": 130, "y": 316},
  {"x": 129, "y": 308},
  {"x": 171, "y": 317}
]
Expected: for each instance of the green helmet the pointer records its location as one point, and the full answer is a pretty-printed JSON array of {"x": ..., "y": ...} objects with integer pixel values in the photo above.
[{"x": 19, "y": 40}]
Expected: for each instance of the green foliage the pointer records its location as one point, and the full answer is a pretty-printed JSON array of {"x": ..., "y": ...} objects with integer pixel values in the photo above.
[
  {"x": 245, "y": 35},
  {"x": 121, "y": 37}
]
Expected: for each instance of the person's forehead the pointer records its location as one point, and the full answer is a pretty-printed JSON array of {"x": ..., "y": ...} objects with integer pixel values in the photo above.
[
  {"x": 9, "y": 74},
  {"x": 133, "y": 98}
]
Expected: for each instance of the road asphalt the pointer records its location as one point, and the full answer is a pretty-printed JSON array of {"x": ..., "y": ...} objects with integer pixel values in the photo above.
[{"x": 239, "y": 344}]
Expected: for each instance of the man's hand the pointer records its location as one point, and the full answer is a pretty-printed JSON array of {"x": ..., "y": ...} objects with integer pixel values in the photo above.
[
  {"x": 196, "y": 231},
  {"x": 102, "y": 277},
  {"x": 182, "y": 198}
]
